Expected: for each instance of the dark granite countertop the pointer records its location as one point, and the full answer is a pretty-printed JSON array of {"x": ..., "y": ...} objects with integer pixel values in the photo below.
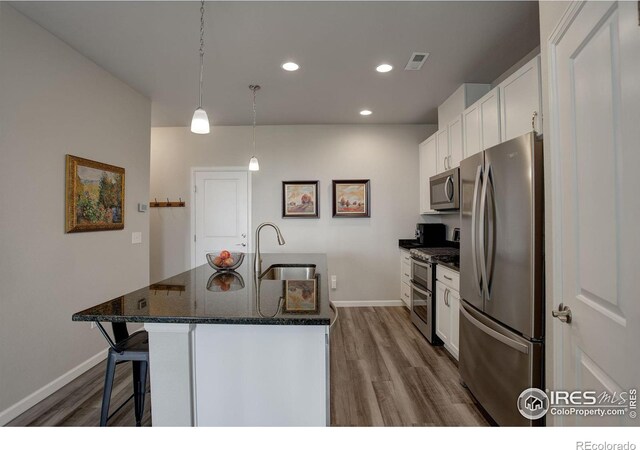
[
  {"x": 202, "y": 295},
  {"x": 448, "y": 262},
  {"x": 408, "y": 244}
]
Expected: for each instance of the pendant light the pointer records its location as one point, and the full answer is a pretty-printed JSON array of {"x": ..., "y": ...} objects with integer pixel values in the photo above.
[
  {"x": 200, "y": 120},
  {"x": 253, "y": 162}
]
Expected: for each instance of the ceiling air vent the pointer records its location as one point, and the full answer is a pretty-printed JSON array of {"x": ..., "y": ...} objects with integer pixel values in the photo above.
[{"x": 416, "y": 61}]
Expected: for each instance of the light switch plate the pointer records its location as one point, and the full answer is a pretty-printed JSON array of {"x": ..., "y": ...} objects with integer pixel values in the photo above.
[
  {"x": 334, "y": 282},
  {"x": 136, "y": 237}
]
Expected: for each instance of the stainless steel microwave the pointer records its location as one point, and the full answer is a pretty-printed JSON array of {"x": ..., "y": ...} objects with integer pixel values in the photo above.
[{"x": 445, "y": 190}]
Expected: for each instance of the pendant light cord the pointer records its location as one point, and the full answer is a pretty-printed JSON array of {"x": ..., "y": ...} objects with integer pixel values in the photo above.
[
  {"x": 201, "y": 50},
  {"x": 254, "y": 89}
]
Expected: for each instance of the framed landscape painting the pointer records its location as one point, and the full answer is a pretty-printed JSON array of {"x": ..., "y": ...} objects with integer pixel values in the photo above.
[
  {"x": 300, "y": 199},
  {"x": 351, "y": 198},
  {"x": 95, "y": 196}
]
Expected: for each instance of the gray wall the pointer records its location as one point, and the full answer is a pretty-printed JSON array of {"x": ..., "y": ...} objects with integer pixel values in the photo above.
[
  {"x": 362, "y": 253},
  {"x": 53, "y": 101}
]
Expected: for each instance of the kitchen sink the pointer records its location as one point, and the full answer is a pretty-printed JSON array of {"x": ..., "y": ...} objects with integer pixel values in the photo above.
[{"x": 289, "y": 272}]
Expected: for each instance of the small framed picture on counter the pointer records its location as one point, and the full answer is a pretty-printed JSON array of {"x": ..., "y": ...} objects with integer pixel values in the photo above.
[
  {"x": 301, "y": 297},
  {"x": 351, "y": 198},
  {"x": 300, "y": 199}
]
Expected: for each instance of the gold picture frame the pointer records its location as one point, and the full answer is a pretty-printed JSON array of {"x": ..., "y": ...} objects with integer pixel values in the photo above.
[{"x": 94, "y": 196}]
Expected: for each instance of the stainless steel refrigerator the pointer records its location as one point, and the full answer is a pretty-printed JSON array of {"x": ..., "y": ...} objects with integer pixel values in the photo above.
[{"x": 501, "y": 275}]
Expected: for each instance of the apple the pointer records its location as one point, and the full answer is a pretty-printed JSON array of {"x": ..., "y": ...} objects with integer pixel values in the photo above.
[
  {"x": 217, "y": 261},
  {"x": 228, "y": 262},
  {"x": 224, "y": 254}
]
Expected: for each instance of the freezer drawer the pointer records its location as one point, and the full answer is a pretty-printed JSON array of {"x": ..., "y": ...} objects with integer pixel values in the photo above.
[{"x": 497, "y": 365}]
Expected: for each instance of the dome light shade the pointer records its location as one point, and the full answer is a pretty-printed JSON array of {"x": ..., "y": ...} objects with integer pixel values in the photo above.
[
  {"x": 200, "y": 122},
  {"x": 254, "y": 166}
]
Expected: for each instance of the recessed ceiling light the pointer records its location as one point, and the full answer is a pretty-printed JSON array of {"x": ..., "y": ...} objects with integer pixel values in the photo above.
[
  {"x": 290, "y": 66},
  {"x": 383, "y": 68},
  {"x": 365, "y": 112}
]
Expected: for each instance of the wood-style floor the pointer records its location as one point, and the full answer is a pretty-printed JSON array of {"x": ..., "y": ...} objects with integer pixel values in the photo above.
[
  {"x": 78, "y": 403},
  {"x": 383, "y": 372}
]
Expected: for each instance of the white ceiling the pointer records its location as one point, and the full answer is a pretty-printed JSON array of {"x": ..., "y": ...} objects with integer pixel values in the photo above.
[{"x": 153, "y": 46}]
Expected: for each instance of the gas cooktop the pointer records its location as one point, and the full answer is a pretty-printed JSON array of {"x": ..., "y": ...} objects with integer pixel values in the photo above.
[{"x": 429, "y": 253}]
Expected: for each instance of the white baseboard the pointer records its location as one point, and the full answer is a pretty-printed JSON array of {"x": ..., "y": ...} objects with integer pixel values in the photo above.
[
  {"x": 33, "y": 399},
  {"x": 356, "y": 303}
]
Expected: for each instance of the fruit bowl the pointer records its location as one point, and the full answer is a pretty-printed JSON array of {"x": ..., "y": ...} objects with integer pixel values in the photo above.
[
  {"x": 231, "y": 262},
  {"x": 225, "y": 281}
]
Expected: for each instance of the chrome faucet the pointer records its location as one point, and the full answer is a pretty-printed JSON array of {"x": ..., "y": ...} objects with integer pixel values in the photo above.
[{"x": 258, "y": 259}]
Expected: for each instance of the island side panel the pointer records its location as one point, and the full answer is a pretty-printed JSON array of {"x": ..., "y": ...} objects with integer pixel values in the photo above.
[
  {"x": 261, "y": 375},
  {"x": 171, "y": 373}
]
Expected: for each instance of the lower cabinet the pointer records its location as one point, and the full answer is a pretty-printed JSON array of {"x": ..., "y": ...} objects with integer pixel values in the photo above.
[
  {"x": 448, "y": 309},
  {"x": 405, "y": 277}
]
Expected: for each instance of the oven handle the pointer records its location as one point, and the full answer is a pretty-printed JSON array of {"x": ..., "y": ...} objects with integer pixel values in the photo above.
[
  {"x": 420, "y": 263},
  {"x": 415, "y": 286}
]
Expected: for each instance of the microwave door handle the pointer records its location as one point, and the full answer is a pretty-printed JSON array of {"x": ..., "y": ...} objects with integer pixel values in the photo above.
[
  {"x": 474, "y": 230},
  {"x": 483, "y": 254},
  {"x": 446, "y": 188}
]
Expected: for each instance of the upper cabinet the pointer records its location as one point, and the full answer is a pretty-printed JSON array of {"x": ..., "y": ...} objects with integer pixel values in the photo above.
[
  {"x": 481, "y": 124},
  {"x": 521, "y": 101},
  {"x": 455, "y": 142},
  {"x": 476, "y": 117},
  {"x": 442, "y": 139},
  {"x": 428, "y": 168}
]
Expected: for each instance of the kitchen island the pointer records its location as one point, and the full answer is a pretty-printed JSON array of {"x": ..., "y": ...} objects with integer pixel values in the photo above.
[{"x": 229, "y": 349}]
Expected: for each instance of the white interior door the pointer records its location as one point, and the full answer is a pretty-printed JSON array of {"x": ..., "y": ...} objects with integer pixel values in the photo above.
[
  {"x": 221, "y": 213},
  {"x": 595, "y": 67}
]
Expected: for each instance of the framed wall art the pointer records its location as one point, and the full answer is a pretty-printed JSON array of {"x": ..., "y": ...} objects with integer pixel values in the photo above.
[
  {"x": 300, "y": 199},
  {"x": 94, "y": 196},
  {"x": 301, "y": 297},
  {"x": 351, "y": 198}
]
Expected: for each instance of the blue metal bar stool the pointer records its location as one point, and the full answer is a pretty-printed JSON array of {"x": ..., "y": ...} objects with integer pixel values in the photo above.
[{"x": 126, "y": 347}]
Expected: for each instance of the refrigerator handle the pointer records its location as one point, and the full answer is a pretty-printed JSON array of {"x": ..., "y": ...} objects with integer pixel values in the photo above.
[
  {"x": 491, "y": 232},
  {"x": 483, "y": 253},
  {"x": 474, "y": 231},
  {"x": 493, "y": 333}
]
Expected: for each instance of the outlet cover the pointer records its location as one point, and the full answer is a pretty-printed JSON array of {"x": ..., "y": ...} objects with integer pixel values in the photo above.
[{"x": 136, "y": 237}]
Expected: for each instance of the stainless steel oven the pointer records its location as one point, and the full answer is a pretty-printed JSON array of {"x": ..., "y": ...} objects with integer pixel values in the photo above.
[
  {"x": 445, "y": 190},
  {"x": 422, "y": 301}
]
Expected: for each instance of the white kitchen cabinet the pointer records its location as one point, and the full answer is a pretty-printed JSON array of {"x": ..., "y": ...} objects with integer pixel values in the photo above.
[
  {"x": 521, "y": 101},
  {"x": 428, "y": 152},
  {"x": 449, "y": 145},
  {"x": 489, "y": 108},
  {"x": 443, "y": 315},
  {"x": 481, "y": 124},
  {"x": 442, "y": 144},
  {"x": 471, "y": 130},
  {"x": 456, "y": 147},
  {"x": 454, "y": 333},
  {"x": 448, "y": 308},
  {"x": 405, "y": 277}
]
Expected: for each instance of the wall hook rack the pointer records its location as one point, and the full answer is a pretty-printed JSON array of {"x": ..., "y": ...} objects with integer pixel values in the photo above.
[{"x": 167, "y": 204}]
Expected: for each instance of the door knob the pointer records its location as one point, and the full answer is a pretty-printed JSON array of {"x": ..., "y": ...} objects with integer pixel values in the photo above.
[
  {"x": 563, "y": 313},
  {"x": 243, "y": 244}
]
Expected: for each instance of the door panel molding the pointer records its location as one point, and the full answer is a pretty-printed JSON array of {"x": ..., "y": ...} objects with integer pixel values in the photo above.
[{"x": 192, "y": 212}]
